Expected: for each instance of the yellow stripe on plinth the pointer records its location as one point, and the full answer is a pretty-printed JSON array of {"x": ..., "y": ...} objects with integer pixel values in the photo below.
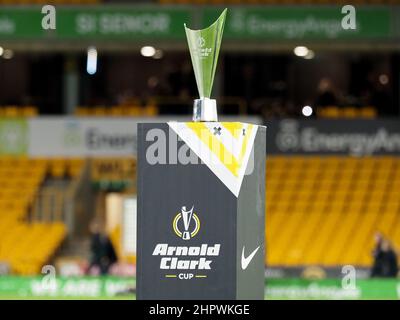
[
  {"x": 235, "y": 128},
  {"x": 215, "y": 146}
]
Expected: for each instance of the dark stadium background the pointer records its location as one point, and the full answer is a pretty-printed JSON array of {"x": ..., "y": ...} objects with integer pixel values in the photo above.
[{"x": 70, "y": 99}]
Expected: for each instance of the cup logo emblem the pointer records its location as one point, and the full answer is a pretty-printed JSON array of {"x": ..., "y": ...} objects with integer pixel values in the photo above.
[
  {"x": 186, "y": 224},
  {"x": 201, "y": 42}
]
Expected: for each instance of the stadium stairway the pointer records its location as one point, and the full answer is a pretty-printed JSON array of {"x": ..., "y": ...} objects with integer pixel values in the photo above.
[
  {"x": 75, "y": 247},
  {"x": 325, "y": 210}
]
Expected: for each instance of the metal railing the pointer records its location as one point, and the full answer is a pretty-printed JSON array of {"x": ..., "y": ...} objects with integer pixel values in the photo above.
[{"x": 69, "y": 202}]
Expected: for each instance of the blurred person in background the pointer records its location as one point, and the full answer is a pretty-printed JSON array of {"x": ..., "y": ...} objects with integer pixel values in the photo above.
[
  {"x": 377, "y": 255},
  {"x": 327, "y": 95},
  {"x": 102, "y": 253},
  {"x": 381, "y": 99},
  {"x": 385, "y": 259},
  {"x": 390, "y": 267}
]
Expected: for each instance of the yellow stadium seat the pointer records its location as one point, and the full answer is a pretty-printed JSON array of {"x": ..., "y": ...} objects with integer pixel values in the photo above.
[
  {"x": 328, "y": 214},
  {"x": 29, "y": 111},
  {"x": 82, "y": 111},
  {"x": 27, "y": 247},
  {"x": 368, "y": 112},
  {"x": 329, "y": 112},
  {"x": 349, "y": 112}
]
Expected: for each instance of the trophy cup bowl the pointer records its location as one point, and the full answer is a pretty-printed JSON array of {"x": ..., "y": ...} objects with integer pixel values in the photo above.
[{"x": 204, "y": 46}]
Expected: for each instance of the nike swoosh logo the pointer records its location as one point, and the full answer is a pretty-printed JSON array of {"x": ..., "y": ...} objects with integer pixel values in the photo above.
[{"x": 245, "y": 261}]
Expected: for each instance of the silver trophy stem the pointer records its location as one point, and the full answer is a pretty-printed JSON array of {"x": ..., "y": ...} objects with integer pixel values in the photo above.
[{"x": 205, "y": 109}]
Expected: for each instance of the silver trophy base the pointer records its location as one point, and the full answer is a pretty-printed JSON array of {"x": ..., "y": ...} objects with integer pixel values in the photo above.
[{"x": 205, "y": 110}]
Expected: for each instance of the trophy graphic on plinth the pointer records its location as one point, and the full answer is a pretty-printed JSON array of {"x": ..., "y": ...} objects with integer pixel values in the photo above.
[
  {"x": 204, "y": 48},
  {"x": 201, "y": 196}
]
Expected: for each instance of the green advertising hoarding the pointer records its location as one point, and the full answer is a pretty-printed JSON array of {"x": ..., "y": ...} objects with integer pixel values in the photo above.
[
  {"x": 332, "y": 289},
  {"x": 122, "y": 23},
  {"x": 132, "y": 23},
  {"x": 20, "y": 23},
  {"x": 303, "y": 22},
  {"x": 13, "y": 137},
  {"x": 114, "y": 287},
  {"x": 100, "y": 22},
  {"x": 16, "y": 287}
]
